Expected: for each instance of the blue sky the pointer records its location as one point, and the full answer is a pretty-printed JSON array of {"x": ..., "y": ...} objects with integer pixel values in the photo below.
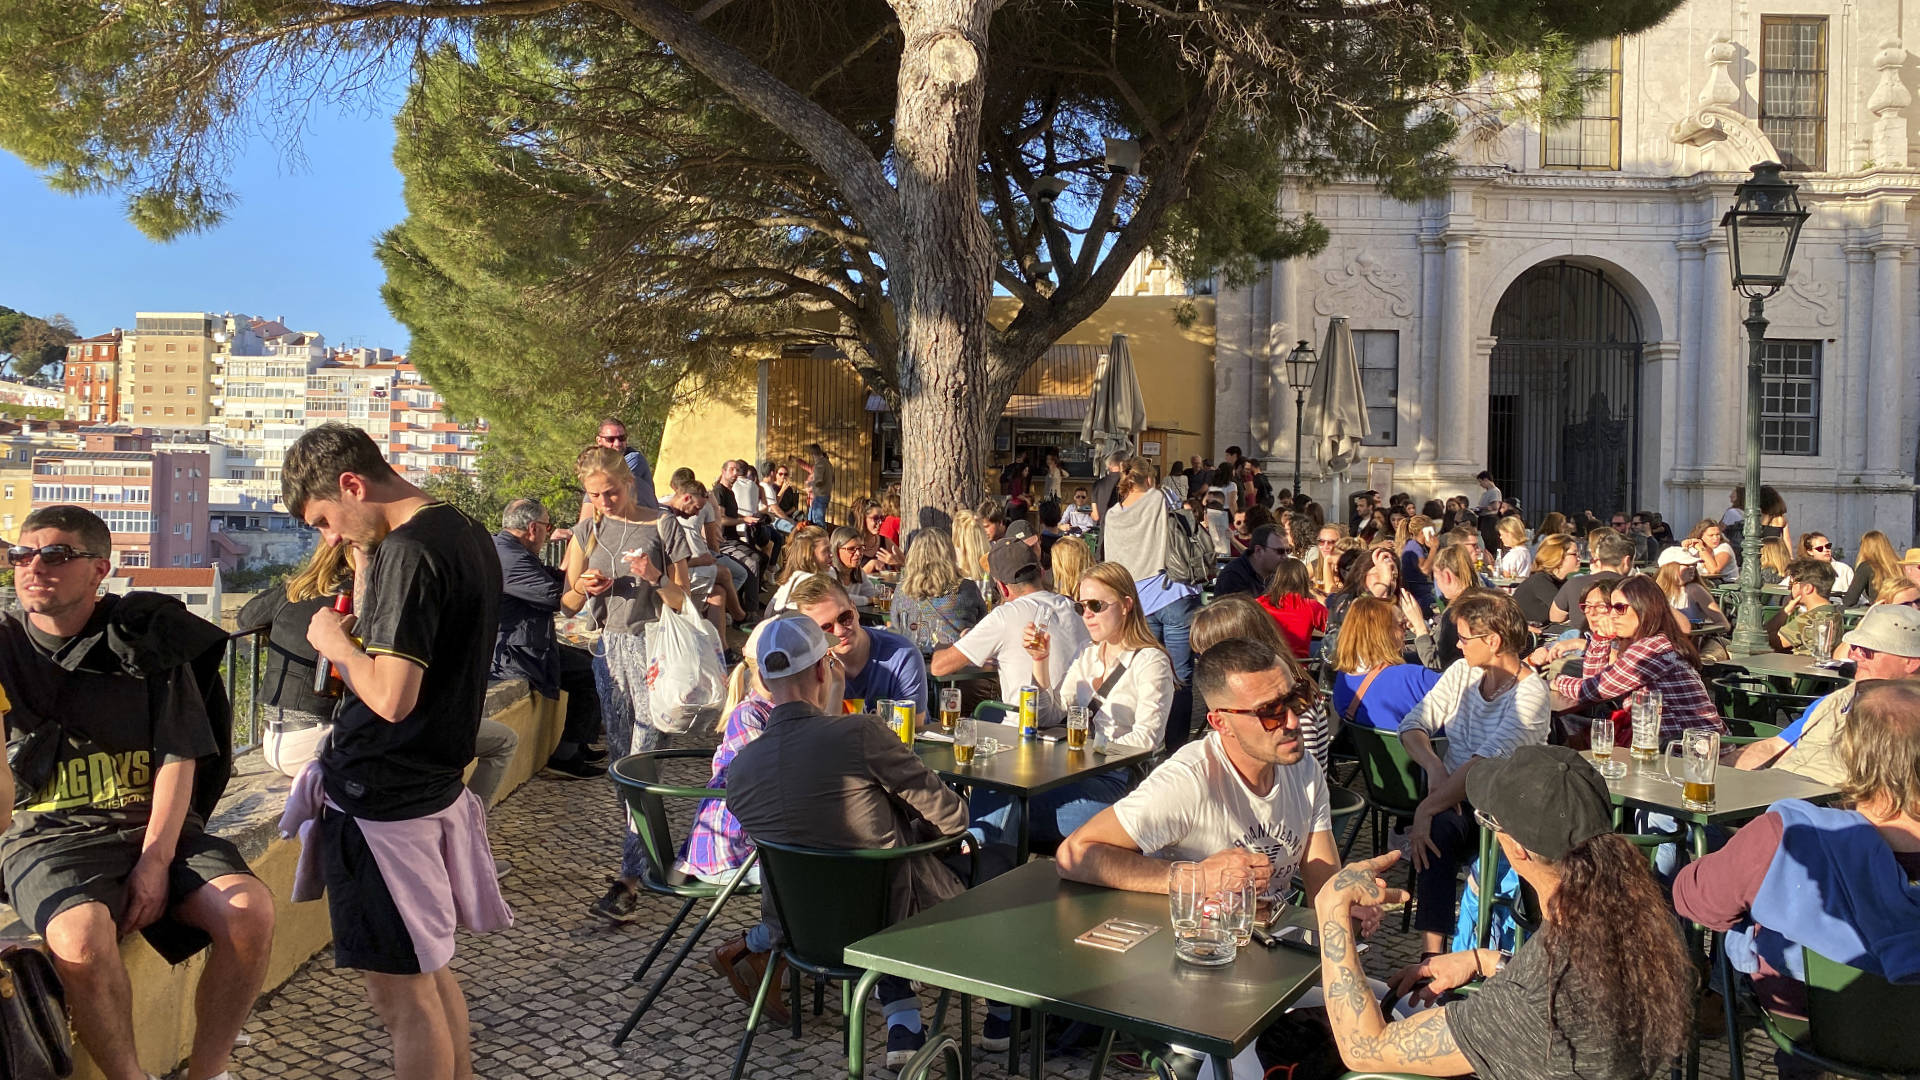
[{"x": 299, "y": 243}]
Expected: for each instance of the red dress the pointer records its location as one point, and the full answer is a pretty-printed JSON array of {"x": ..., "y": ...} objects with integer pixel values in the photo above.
[{"x": 1299, "y": 617}]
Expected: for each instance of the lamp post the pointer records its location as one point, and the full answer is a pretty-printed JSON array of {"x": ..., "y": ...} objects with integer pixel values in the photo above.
[
  {"x": 1762, "y": 228},
  {"x": 1300, "y": 363}
]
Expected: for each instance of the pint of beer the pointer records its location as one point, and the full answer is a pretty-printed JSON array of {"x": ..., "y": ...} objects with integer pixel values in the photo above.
[
  {"x": 949, "y": 708},
  {"x": 1699, "y": 762},
  {"x": 1078, "y": 726}
]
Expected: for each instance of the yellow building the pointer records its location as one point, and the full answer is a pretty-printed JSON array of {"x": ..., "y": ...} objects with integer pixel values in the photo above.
[
  {"x": 16, "y": 497},
  {"x": 167, "y": 369},
  {"x": 779, "y": 403}
]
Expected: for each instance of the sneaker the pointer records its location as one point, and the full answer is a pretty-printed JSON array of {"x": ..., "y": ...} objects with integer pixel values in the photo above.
[
  {"x": 592, "y": 756},
  {"x": 996, "y": 1034},
  {"x": 573, "y": 769},
  {"x": 902, "y": 1045},
  {"x": 501, "y": 868},
  {"x": 620, "y": 905}
]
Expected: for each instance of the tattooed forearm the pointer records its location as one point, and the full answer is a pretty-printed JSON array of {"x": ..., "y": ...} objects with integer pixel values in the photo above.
[
  {"x": 1349, "y": 991},
  {"x": 1334, "y": 940},
  {"x": 1420, "y": 1039}
]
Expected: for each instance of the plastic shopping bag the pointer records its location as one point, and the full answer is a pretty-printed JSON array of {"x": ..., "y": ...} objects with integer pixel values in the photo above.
[{"x": 686, "y": 681}]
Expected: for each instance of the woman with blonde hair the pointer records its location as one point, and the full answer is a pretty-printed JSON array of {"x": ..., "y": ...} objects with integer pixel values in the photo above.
[
  {"x": 1125, "y": 681},
  {"x": 808, "y": 552},
  {"x": 1373, "y": 686},
  {"x": 294, "y": 719},
  {"x": 622, "y": 565},
  {"x": 1071, "y": 558},
  {"x": 933, "y": 605},
  {"x": 970, "y": 546},
  {"x": 1875, "y": 564},
  {"x": 1418, "y": 539},
  {"x": 1774, "y": 557},
  {"x": 1239, "y": 615},
  {"x": 1557, "y": 560},
  {"x": 1516, "y": 561},
  {"x": 1679, "y": 579}
]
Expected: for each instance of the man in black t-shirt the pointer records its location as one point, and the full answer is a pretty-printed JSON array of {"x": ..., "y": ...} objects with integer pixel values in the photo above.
[
  {"x": 116, "y": 771},
  {"x": 429, "y": 601}
]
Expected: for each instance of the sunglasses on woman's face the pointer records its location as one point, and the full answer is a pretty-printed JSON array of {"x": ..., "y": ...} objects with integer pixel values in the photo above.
[
  {"x": 1093, "y": 607},
  {"x": 1620, "y": 608},
  {"x": 1821, "y": 549}
]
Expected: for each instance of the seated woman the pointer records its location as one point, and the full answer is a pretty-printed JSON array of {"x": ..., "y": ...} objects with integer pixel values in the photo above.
[
  {"x": 1679, "y": 580},
  {"x": 933, "y": 604},
  {"x": 294, "y": 719},
  {"x": 1416, "y": 559},
  {"x": 806, "y": 553},
  {"x": 1516, "y": 559},
  {"x": 1370, "y": 571},
  {"x": 849, "y": 558},
  {"x": 970, "y": 545},
  {"x": 877, "y": 552},
  {"x": 1487, "y": 704},
  {"x": 1124, "y": 679},
  {"x": 1774, "y": 557},
  {"x": 1068, "y": 564},
  {"x": 1557, "y": 560},
  {"x": 1637, "y": 647},
  {"x": 1454, "y": 576},
  {"x": 1708, "y": 542},
  {"x": 1239, "y": 616},
  {"x": 1373, "y": 686},
  {"x": 1289, "y": 599}
]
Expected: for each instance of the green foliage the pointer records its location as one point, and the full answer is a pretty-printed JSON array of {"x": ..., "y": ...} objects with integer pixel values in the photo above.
[
  {"x": 255, "y": 578},
  {"x": 34, "y": 343},
  {"x": 30, "y": 412}
]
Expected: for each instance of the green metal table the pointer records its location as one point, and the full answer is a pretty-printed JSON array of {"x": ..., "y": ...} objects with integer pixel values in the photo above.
[
  {"x": 1787, "y": 666},
  {"x": 1010, "y": 940},
  {"x": 1740, "y": 795},
  {"x": 1028, "y": 768}
]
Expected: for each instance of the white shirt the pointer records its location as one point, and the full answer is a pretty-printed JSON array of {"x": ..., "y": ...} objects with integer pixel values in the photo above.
[
  {"x": 1725, "y": 551},
  {"x": 1133, "y": 716},
  {"x": 996, "y": 638},
  {"x": 1842, "y": 577},
  {"x": 1474, "y": 726},
  {"x": 1077, "y": 518},
  {"x": 1196, "y": 804},
  {"x": 746, "y": 495},
  {"x": 779, "y": 600},
  {"x": 1515, "y": 562}
]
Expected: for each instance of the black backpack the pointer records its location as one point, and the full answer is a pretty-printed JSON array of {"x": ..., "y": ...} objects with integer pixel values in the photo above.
[{"x": 1190, "y": 554}]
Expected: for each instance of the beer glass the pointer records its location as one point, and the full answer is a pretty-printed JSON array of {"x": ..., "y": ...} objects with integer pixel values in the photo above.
[
  {"x": 1236, "y": 893},
  {"x": 949, "y": 708},
  {"x": 1604, "y": 757},
  {"x": 1200, "y": 932},
  {"x": 1822, "y": 634},
  {"x": 966, "y": 736},
  {"x": 1077, "y": 727},
  {"x": 1646, "y": 727},
  {"x": 1699, "y": 760}
]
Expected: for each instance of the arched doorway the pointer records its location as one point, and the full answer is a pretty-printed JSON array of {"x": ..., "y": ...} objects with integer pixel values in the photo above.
[{"x": 1563, "y": 428}]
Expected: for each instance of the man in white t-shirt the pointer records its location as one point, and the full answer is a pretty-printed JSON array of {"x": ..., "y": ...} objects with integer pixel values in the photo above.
[
  {"x": 1247, "y": 795},
  {"x": 995, "y": 641},
  {"x": 1489, "y": 493}
]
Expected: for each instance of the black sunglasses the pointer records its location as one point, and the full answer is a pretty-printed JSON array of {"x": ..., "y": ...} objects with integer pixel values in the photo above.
[
  {"x": 52, "y": 554},
  {"x": 613, "y": 438}
]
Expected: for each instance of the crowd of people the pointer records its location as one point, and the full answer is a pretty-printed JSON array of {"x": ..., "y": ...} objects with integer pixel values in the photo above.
[{"x": 1223, "y": 630}]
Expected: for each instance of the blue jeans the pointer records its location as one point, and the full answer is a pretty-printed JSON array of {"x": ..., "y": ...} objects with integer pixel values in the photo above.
[
  {"x": 817, "y": 510},
  {"x": 1052, "y": 815},
  {"x": 1171, "y": 624}
]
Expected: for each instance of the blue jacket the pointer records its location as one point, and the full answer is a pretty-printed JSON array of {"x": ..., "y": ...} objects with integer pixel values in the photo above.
[
  {"x": 524, "y": 648},
  {"x": 1836, "y": 887}
]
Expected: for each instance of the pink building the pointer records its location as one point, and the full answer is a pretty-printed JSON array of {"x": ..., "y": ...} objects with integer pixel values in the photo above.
[{"x": 153, "y": 501}]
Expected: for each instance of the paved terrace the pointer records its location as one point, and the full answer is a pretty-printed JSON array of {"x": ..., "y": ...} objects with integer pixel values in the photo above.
[{"x": 547, "y": 995}]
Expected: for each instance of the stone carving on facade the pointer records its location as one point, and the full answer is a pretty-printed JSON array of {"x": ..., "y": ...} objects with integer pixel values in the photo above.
[
  {"x": 1725, "y": 136},
  {"x": 1360, "y": 285},
  {"x": 1819, "y": 298},
  {"x": 1888, "y": 104}
]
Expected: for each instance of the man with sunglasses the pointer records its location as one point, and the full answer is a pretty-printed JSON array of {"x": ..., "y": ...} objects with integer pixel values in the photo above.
[
  {"x": 1886, "y": 645},
  {"x": 878, "y": 664},
  {"x": 1253, "y": 571},
  {"x": 1809, "y": 604},
  {"x": 613, "y": 436},
  {"x": 115, "y": 739}
]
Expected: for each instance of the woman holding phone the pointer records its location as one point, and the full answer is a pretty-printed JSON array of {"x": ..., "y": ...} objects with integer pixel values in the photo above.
[{"x": 621, "y": 566}]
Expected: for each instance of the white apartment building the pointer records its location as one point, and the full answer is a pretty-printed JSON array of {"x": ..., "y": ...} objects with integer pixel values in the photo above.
[{"x": 1564, "y": 318}]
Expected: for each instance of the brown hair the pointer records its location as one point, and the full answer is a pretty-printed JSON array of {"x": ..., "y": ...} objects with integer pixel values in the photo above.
[
  {"x": 1456, "y": 560},
  {"x": 1236, "y": 615},
  {"x": 1774, "y": 555},
  {"x": 1553, "y": 552},
  {"x": 1656, "y": 616},
  {"x": 1138, "y": 476},
  {"x": 1370, "y": 637},
  {"x": 1554, "y": 524},
  {"x": 1880, "y": 745},
  {"x": 1290, "y": 578},
  {"x": 1487, "y": 612},
  {"x": 1609, "y": 906},
  {"x": 315, "y": 462},
  {"x": 799, "y": 553},
  {"x": 1877, "y": 551},
  {"x": 1117, "y": 579}
]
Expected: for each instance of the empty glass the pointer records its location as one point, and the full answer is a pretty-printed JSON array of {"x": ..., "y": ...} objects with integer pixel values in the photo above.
[
  {"x": 1236, "y": 894},
  {"x": 1822, "y": 635},
  {"x": 1201, "y": 934},
  {"x": 1604, "y": 757},
  {"x": 1646, "y": 726}
]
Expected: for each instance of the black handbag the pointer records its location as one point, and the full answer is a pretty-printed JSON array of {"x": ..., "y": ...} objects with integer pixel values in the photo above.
[{"x": 36, "y": 1042}]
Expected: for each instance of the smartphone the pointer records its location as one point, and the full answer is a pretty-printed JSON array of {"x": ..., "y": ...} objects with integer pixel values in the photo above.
[{"x": 1301, "y": 939}]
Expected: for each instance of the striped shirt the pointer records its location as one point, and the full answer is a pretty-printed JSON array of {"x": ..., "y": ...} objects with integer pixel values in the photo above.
[
  {"x": 1476, "y": 727},
  {"x": 1610, "y": 672}
]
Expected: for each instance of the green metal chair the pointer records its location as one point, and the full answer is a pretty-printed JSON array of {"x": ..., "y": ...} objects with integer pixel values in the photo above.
[
  {"x": 1346, "y": 805},
  {"x": 826, "y": 900},
  {"x": 1757, "y": 698},
  {"x": 940, "y": 1048},
  {"x": 1857, "y": 1025},
  {"x": 638, "y": 778},
  {"x": 995, "y": 712},
  {"x": 1395, "y": 786},
  {"x": 1744, "y": 732}
]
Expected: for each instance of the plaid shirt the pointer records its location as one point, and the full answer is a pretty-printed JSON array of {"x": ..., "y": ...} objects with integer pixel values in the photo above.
[
  {"x": 1609, "y": 672},
  {"x": 718, "y": 845}
]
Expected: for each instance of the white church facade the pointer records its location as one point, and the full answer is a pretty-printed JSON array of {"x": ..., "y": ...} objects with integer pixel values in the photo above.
[{"x": 1564, "y": 318}]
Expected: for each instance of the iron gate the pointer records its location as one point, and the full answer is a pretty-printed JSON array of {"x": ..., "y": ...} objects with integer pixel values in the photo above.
[{"x": 1563, "y": 424}]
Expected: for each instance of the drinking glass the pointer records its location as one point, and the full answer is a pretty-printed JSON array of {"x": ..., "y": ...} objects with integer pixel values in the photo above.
[
  {"x": 1699, "y": 762},
  {"x": 966, "y": 736},
  {"x": 1822, "y": 634},
  {"x": 1200, "y": 933},
  {"x": 949, "y": 708},
  {"x": 1646, "y": 727},
  {"x": 1077, "y": 726},
  {"x": 1237, "y": 896},
  {"x": 1604, "y": 757}
]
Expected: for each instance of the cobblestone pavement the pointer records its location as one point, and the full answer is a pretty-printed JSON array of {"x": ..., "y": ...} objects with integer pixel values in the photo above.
[{"x": 547, "y": 995}]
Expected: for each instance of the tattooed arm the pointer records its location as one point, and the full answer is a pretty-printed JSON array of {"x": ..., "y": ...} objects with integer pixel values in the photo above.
[{"x": 1422, "y": 1044}]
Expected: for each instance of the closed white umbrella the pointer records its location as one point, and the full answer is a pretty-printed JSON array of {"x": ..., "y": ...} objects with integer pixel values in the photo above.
[
  {"x": 1116, "y": 411},
  {"x": 1336, "y": 419}
]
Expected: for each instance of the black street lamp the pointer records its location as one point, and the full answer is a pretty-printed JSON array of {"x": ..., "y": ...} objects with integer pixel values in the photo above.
[
  {"x": 1300, "y": 364},
  {"x": 1762, "y": 228}
]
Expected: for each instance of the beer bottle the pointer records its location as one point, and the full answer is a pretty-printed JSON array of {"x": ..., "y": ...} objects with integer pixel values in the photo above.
[{"x": 326, "y": 680}]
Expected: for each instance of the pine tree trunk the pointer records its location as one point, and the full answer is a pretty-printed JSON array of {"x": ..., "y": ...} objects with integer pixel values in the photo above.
[{"x": 942, "y": 290}]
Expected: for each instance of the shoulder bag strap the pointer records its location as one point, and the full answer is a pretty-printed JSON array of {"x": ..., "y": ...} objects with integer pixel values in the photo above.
[
  {"x": 1354, "y": 705},
  {"x": 1106, "y": 687}
]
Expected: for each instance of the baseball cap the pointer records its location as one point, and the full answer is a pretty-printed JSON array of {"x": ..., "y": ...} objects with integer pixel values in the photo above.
[
  {"x": 1548, "y": 798},
  {"x": 1007, "y": 557},
  {"x": 788, "y": 645},
  {"x": 1887, "y": 628},
  {"x": 1679, "y": 555},
  {"x": 1018, "y": 529}
]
